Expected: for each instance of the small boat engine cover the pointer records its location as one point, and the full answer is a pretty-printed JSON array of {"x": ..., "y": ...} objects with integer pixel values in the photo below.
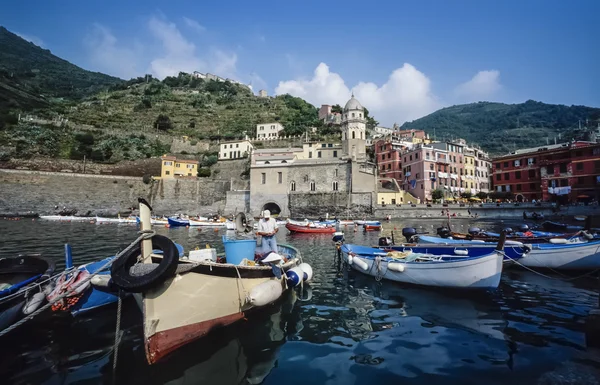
[
  {"x": 474, "y": 230},
  {"x": 408, "y": 233},
  {"x": 443, "y": 232},
  {"x": 385, "y": 241},
  {"x": 523, "y": 228}
]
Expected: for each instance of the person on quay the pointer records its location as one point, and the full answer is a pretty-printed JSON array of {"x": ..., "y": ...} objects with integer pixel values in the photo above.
[{"x": 267, "y": 228}]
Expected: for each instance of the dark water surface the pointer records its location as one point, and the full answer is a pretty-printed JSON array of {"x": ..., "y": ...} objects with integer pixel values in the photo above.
[{"x": 345, "y": 328}]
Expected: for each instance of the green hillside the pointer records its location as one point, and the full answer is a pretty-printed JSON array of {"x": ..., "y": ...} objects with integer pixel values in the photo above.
[
  {"x": 31, "y": 76},
  {"x": 198, "y": 108},
  {"x": 499, "y": 127}
]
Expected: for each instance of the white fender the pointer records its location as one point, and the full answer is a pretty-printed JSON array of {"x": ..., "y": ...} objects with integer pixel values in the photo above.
[
  {"x": 360, "y": 263},
  {"x": 461, "y": 252},
  {"x": 558, "y": 240},
  {"x": 349, "y": 259},
  {"x": 265, "y": 293},
  {"x": 399, "y": 267},
  {"x": 307, "y": 270},
  {"x": 34, "y": 303}
]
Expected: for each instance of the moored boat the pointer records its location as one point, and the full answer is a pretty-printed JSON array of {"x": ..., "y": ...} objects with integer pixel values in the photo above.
[
  {"x": 184, "y": 299},
  {"x": 23, "y": 280},
  {"x": 575, "y": 254},
  {"x": 66, "y": 218},
  {"x": 441, "y": 270},
  {"x": 424, "y": 244},
  {"x": 372, "y": 225},
  {"x": 175, "y": 222},
  {"x": 206, "y": 223},
  {"x": 309, "y": 229}
]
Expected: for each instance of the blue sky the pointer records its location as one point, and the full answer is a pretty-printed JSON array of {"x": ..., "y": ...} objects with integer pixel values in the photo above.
[{"x": 402, "y": 59}]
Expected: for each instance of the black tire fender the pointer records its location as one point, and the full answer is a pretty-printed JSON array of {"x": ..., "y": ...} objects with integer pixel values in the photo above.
[{"x": 120, "y": 269}]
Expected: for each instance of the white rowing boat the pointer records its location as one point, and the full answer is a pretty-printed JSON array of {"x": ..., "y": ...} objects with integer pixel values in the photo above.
[
  {"x": 578, "y": 255},
  {"x": 481, "y": 272}
]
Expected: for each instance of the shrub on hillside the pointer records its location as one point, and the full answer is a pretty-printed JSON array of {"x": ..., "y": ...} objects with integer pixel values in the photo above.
[{"x": 203, "y": 172}]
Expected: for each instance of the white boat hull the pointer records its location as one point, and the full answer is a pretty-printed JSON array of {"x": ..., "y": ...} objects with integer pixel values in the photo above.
[
  {"x": 582, "y": 256},
  {"x": 66, "y": 218},
  {"x": 476, "y": 273},
  {"x": 206, "y": 223}
]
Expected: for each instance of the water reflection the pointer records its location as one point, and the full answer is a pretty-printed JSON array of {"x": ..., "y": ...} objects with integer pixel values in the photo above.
[{"x": 345, "y": 328}]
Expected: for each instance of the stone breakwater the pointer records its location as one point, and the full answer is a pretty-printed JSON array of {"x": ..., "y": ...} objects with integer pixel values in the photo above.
[{"x": 43, "y": 193}]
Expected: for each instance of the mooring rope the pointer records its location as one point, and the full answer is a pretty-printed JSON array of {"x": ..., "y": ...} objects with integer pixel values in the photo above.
[
  {"x": 144, "y": 234},
  {"x": 118, "y": 335}
]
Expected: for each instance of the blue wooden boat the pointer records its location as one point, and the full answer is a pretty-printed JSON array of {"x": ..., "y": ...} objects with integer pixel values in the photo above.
[
  {"x": 94, "y": 297},
  {"x": 431, "y": 268},
  {"x": 22, "y": 281},
  {"x": 174, "y": 222}
]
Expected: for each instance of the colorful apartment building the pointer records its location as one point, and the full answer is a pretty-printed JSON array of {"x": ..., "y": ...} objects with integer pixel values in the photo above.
[
  {"x": 171, "y": 167},
  {"x": 420, "y": 168},
  {"x": 567, "y": 172}
]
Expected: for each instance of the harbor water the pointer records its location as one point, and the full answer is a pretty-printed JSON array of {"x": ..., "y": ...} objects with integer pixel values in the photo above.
[{"x": 344, "y": 328}]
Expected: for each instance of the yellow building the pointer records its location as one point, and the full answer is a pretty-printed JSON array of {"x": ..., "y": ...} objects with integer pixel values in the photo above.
[
  {"x": 468, "y": 179},
  {"x": 172, "y": 167},
  {"x": 396, "y": 198}
]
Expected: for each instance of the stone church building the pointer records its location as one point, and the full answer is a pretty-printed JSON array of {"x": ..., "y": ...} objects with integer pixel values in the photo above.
[{"x": 318, "y": 176}]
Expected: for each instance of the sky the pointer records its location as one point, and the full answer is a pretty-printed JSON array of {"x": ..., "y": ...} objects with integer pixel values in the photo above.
[{"x": 402, "y": 59}]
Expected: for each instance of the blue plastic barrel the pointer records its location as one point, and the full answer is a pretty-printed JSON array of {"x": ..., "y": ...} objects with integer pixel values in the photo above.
[{"x": 238, "y": 249}]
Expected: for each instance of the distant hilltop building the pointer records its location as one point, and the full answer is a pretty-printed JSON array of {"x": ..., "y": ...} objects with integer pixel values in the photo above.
[
  {"x": 326, "y": 116},
  {"x": 216, "y": 78},
  {"x": 262, "y": 93}
]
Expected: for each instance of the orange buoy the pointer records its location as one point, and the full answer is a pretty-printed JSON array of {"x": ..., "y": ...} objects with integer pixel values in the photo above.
[
  {"x": 167, "y": 225},
  {"x": 216, "y": 230},
  {"x": 199, "y": 229}
]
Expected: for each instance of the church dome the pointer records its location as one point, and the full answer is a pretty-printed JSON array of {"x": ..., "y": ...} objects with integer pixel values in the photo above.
[{"x": 353, "y": 104}]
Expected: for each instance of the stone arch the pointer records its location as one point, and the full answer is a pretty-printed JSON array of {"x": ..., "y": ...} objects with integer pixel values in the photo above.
[{"x": 273, "y": 207}]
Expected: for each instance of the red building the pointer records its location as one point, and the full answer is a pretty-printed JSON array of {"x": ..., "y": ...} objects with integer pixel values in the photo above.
[
  {"x": 563, "y": 173},
  {"x": 388, "y": 160}
]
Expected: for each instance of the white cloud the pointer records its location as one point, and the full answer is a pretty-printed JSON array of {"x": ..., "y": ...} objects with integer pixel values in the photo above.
[
  {"x": 179, "y": 54},
  {"x": 483, "y": 85},
  {"x": 34, "y": 39},
  {"x": 194, "y": 25},
  {"x": 405, "y": 96},
  {"x": 107, "y": 55}
]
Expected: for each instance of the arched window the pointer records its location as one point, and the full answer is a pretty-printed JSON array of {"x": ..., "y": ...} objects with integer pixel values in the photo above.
[
  {"x": 292, "y": 186},
  {"x": 353, "y": 135},
  {"x": 360, "y": 115},
  {"x": 361, "y": 135},
  {"x": 313, "y": 187},
  {"x": 353, "y": 114},
  {"x": 334, "y": 186}
]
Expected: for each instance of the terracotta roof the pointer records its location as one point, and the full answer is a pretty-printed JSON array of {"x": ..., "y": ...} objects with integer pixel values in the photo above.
[{"x": 168, "y": 157}]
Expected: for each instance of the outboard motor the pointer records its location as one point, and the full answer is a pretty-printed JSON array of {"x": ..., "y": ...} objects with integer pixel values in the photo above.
[
  {"x": 408, "y": 233},
  {"x": 508, "y": 230},
  {"x": 474, "y": 230},
  {"x": 523, "y": 228},
  {"x": 338, "y": 236},
  {"x": 443, "y": 232},
  {"x": 385, "y": 241}
]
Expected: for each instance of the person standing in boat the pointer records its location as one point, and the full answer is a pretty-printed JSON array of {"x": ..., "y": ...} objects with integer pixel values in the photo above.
[{"x": 267, "y": 228}]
